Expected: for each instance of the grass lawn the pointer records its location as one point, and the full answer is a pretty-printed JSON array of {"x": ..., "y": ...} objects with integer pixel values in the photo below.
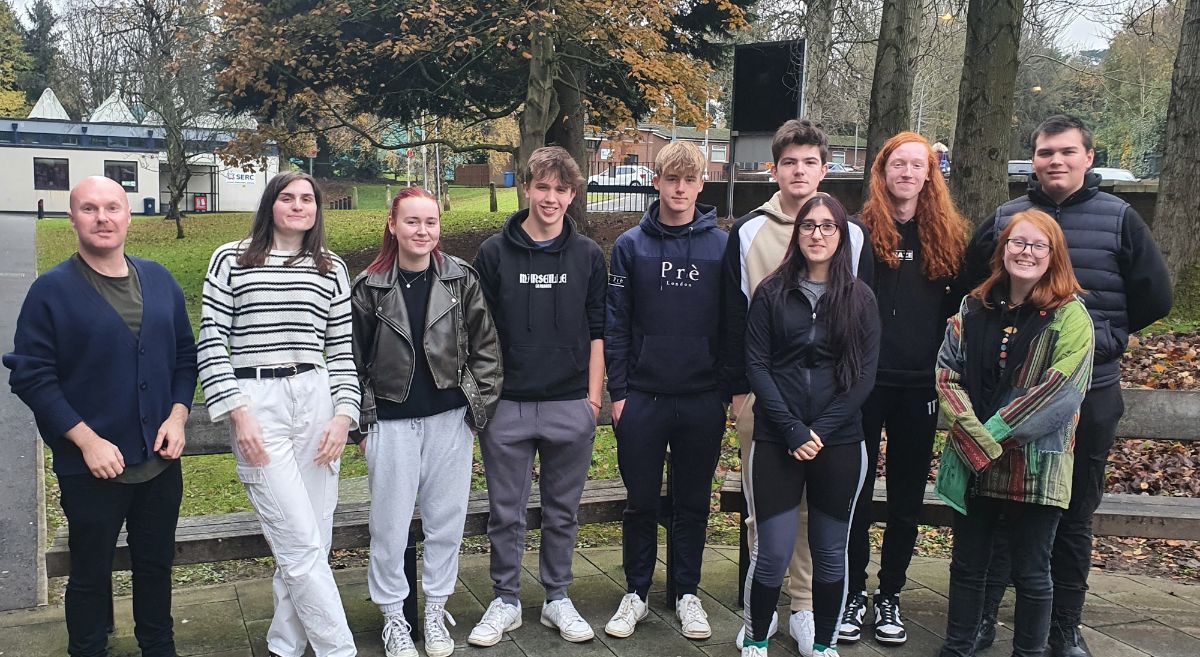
[{"x": 372, "y": 196}]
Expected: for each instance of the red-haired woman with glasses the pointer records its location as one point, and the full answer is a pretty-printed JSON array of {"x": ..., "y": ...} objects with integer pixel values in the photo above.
[
  {"x": 1011, "y": 375},
  {"x": 428, "y": 362}
]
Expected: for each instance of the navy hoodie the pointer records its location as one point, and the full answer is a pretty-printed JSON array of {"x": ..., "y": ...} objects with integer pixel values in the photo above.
[
  {"x": 664, "y": 300},
  {"x": 548, "y": 305}
]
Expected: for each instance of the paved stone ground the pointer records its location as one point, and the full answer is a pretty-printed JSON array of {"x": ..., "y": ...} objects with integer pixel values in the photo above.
[{"x": 1129, "y": 616}]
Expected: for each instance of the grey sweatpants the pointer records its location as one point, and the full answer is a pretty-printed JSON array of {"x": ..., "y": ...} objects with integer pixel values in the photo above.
[
  {"x": 561, "y": 433},
  {"x": 425, "y": 459}
]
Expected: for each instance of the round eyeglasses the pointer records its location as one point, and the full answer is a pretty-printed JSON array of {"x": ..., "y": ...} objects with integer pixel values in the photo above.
[{"x": 1039, "y": 250}]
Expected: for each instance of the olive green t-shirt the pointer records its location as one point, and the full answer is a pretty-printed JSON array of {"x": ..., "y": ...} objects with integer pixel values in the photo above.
[{"x": 124, "y": 294}]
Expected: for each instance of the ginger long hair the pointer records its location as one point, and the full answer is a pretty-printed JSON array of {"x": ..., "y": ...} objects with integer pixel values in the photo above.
[
  {"x": 1058, "y": 285},
  {"x": 942, "y": 230},
  {"x": 390, "y": 248}
]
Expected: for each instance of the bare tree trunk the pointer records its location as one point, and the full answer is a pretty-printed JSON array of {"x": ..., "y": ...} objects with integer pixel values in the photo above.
[
  {"x": 892, "y": 85},
  {"x": 979, "y": 177},
  {"x": 1175, "y": 225},
  {"x": 566, "y": 129},
  {"x": 818, "y": 30},
  {"x": 539, "y": 99},
  {"x": 178, "y": 175}
]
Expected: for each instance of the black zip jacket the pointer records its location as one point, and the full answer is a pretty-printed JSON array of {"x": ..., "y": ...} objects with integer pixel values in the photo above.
[
  {"x": 664, "y": 297},
  {"x": 548, "y": 304},
  {"x": 792, "y": 370},
  {"x": 912, "y": 313}
]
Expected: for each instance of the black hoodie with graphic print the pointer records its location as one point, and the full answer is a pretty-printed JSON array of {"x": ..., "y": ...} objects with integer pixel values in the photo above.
[{"x": 548, "y": 305}]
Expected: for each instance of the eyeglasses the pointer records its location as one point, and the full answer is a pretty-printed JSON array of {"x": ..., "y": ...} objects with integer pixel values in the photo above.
[
  {"x": 1016, "y": 246},
  {"x": 809, "y": 227}
]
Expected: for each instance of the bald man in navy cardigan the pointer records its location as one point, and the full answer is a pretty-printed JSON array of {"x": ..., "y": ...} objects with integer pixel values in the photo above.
[{"x": 104, "y": 356}]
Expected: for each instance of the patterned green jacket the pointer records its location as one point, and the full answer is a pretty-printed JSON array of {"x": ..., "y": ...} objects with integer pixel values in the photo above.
[{"x": 1024, "y": 451}]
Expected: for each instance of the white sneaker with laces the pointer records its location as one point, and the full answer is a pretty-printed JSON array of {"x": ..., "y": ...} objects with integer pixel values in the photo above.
[
  {"x": 754, "y": 651},
  {"x": 741, "y": 637},
  {"x": 561, "y": 614},
  {"x": 437, "y": 638},
  {"x": 397, "y": 636},
  {"x": 499, "y": 618},
  {"x": 692, "y": 618},
  {"x": 631, "y": 610},
  {"x": 803, "y": 629},
  {"x": 831, "y": 651}
]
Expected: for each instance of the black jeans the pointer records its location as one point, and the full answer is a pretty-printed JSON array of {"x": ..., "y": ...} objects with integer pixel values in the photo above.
[
  {"x": 1030, "y": 529},
  {"x": 910, "y": 415},
  {"x": 95, "y": 510},
  {"x": 693, "y": 426}
]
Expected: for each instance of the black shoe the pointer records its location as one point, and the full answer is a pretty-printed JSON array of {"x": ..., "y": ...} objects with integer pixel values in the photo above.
[
  {"x": 889, "y": 629},
  {"x": 850, "y": 629},
  {"x": 1065, "y": 638},
  {"x": 985, "y": 636}
]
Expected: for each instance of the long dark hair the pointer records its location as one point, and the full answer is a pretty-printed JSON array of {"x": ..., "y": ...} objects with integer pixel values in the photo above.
[
  {"x": 845, "y": 299},
  {"x": 389, "y": 249},
  {"x": 262, "y": 231}
]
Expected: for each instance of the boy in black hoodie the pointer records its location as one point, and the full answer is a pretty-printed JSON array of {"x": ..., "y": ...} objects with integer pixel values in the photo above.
[
  {"x": 544, "y": 283},
  {"x": 664, "y": 298}
]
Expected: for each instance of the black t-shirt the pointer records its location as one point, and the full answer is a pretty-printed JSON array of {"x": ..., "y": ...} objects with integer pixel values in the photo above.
[{"x": 424, "y": 397}]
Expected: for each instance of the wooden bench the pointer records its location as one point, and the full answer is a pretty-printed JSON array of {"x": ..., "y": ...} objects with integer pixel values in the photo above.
[
  {"x": 1149, "y": 414},
  {"x": 227, "y": 536}
]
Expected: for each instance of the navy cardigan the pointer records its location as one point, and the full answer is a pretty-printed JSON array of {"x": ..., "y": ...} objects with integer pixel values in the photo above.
[{"x": 75, "y": 360}]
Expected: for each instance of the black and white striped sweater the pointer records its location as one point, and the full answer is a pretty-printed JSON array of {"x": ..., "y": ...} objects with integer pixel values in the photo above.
[{"x": 274, "y": 314}]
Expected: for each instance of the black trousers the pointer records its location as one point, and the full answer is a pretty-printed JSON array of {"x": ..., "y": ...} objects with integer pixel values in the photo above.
[
  {"x": 1072, "y": 557},
  {"x": 95, "y": 510},
  {"x": 1030, "y": 530},
  {"x": 692, "y": 425},
  {"x": 910, "y": 416}
]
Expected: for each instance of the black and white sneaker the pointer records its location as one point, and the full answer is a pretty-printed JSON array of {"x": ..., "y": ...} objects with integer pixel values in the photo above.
[
  {"x": 889, "y": 629},
  {"x": 850, "y": 629}
]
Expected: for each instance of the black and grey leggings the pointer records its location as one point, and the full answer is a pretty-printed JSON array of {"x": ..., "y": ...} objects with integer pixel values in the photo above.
[{"x": 774, "y": 482}]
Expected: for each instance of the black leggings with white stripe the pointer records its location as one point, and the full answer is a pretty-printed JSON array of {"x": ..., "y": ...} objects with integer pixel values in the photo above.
[{"x": 775, "y": 482}]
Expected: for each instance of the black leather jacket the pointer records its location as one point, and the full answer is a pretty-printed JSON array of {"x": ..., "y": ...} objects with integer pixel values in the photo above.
[{"x": 460, "y": 340}]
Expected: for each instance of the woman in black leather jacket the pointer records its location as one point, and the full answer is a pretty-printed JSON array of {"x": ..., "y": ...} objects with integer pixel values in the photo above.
[{"x": 428, "y": 360}]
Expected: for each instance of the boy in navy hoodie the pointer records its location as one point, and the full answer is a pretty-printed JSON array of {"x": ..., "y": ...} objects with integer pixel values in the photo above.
[
  {"x": 544, "y": 284},
  {"x": 664, "y": 299}
]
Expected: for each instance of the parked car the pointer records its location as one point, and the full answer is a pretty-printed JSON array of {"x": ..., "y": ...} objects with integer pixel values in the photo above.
[
  {"x": 1109, "y": 173},
  {"x": 625, "y": 174},
  {"x": 838, "y": 167},
  {"x": 1020, "y": 167}
]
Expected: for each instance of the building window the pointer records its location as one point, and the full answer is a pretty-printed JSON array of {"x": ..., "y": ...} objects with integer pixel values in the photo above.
[
  {"x": 838, "y": 157},
  {"x": 124, "y": 173},
  {"x": 6, "y": 137},
  {"x": 50, "y": 174},
  {"x": 118, "y": 142},
  {"x": 719, "y": 153},
  {"x": 70, "y": 140}
]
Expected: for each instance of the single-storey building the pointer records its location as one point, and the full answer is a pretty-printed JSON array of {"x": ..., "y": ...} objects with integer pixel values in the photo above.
[{"x": 45, "y": 154}]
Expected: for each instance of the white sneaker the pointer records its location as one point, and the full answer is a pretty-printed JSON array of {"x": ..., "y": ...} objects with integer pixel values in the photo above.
[
  {"x": 631, "y": 610},
  {"x": 499, "y": 618},
  {"x": 437, "y": 638},
  {"x": 803, "y": 629},
  {"x": 692, "y": 618},
  {"x": 741, "y": 637},
  {"x": 754, "y": 651},
  {"x": 397, "y": 636},
  {"x": 831, "y": 651},
  {"x": 561, "y": 614}
]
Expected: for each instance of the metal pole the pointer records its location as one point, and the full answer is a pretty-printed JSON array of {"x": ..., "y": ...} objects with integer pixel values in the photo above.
[{"x": 732, "y": 164}]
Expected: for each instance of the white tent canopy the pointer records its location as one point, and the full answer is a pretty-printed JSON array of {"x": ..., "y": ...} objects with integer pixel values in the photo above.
[
  {"x": 112, "y": 110},
  {"x": 48, "y": 107}
]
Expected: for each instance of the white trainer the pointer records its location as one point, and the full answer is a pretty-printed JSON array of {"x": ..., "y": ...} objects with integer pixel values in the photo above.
[
  {"x": 803, "y": 629},
  {"x": 631, "y": 610},
  {"x": 561, "y": 614},
  {"x": 499, "y": 618},
  {"x": 437, "y": 638},
  {"x": 741, "y": 637},
  {"x": 397, "y": 636},
  {"x": 692, "y": 618},
  {"x": 754, "y": 651}
]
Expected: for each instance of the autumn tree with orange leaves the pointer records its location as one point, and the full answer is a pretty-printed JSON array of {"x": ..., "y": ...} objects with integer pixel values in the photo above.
[{"x": 557, "y": 65}]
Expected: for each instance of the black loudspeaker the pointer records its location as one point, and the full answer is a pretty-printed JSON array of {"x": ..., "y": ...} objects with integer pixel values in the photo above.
[{"x": 767, "y": 81}]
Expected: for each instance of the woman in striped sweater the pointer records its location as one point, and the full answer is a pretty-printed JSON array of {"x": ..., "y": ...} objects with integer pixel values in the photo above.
[
  {"x": 276, "y": 359},
  {"x": 1011, "y": 375}
]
